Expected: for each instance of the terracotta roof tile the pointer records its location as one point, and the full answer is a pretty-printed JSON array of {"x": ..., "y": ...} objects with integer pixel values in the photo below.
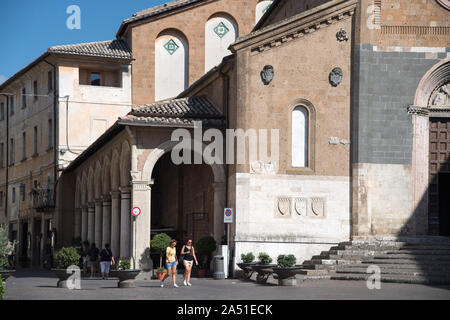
[{"x": 111, "y": 48}]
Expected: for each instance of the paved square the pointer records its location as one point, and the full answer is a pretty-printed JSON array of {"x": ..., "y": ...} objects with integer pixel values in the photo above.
[{"x": 41, "y": 285}]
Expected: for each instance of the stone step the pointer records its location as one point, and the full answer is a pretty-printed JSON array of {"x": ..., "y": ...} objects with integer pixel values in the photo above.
[
  {"x": 322, "y": 272},
  {"x": 357, "y": 257},
  {"x": 319, "y": 267},
  {"x": 410, "y": 267},
  {"x": 421, "y": 252},
  {"x": 350, "y": 252},
  {"x": 423, "y": 262},
  {"x": 396, "y": 279},
  {"x": 395, "y": 271},
  {"x": 412, "y": 257},
  {"x": 330, "y": 261}
]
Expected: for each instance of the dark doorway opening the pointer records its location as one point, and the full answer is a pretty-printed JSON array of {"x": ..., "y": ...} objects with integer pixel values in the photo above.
[{"x": 444, "y": 204}]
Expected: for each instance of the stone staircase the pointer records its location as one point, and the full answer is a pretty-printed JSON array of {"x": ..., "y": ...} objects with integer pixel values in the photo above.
[{"x": 418, "y": 260}]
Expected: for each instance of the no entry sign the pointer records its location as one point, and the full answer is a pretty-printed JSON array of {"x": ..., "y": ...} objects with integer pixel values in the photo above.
[
  {"x": 228, "y": 215},
  {"x": 136, "y": 211}
]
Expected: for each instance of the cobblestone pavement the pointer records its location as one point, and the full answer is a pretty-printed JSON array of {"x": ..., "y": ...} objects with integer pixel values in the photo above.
[{"x": 41, "y": 285}]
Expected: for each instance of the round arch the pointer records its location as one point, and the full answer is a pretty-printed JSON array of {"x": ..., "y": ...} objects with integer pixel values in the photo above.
[{"x": 438, "y": 75}]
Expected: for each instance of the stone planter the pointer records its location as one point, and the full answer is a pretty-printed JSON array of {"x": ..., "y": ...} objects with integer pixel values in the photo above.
[
  {"x": 246, "y": 267},
  {"x": 6, "y": 274},
  {"x": 160, "y": 275},
  {"x": 264, "y": 271},
  {"x": 286, "y": 276},
  {"x": 127, "y": 278},
  {"x": 63, "y": 276}
]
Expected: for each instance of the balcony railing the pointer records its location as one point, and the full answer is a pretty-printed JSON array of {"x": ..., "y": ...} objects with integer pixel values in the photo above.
[{"x": 43, "y": 200}]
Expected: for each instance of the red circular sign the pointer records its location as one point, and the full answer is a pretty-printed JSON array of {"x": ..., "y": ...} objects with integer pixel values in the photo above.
[
  {"x": 136, "y": 211},
  {"x": 228, "y": 212}
]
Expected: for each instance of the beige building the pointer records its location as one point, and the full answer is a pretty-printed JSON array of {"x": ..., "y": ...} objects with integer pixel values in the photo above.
[
  {"x": 50, "y": 112},
  {"x": 336, "y": 79}
]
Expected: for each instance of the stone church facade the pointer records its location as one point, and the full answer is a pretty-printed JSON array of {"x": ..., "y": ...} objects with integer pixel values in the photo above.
[{"x": 357, "y": 91}]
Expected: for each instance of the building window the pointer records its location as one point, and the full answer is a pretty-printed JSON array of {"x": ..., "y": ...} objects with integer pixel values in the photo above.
[
  {"x": 24, "y": 145},
  {"x": 50, "y": 81},
  {"x": 11, "y": 105},
  {"x": 50, "y": 134},
  {"x": 35, "y": 90},
  {"x": 35, "y": 141},
  {"x": 11, "y": 152},
  {"x": 22, "y": 191},
  {"x": 221, "y": 31},
  {"x": 300, "y": 124},
  {"x": 2, "y": 155},
  {"x": 13, "y": 196},
  {"x": 24, "y": 98},
  {"x": 171, "y": 64},
  {"x": 2, "y": 111},
  {"x": 95, "y": 79},
  {"x": 1, "y": 198}
]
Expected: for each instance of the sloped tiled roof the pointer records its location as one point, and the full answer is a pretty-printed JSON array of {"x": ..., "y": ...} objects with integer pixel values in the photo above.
[
  {"x": 111, "y": 49},
  {"x": 176, "y": 112},
  {"x": 155, "y": 11}
]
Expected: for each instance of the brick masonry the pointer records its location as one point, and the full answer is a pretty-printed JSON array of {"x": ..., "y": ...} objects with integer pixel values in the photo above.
[{"x": 385, "y": 84}]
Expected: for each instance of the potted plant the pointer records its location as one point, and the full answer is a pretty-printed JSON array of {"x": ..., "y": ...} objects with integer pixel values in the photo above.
[
  {"x": 159, "y": 243},
  {"x": 204, "y": 248},
  {"x": 5, "y": 249},
  {"x": 245, "y": 265},
  {"x": 65, "y": 258},
  {"x": 263, "y": 267},
  {"x": 127, "y": 277},
  {"x": 286, "y": 270}
]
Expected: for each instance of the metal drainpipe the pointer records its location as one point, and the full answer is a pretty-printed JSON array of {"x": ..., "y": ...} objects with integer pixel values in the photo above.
[
  {"x": 7, "y": 149},
  {"x": 227, "y": 124},
  {"x": 55, "y": 139}
]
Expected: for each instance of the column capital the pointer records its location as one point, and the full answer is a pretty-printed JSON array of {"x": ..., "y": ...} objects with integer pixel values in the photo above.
[
  {"x": 91, "y": 205},
  {"x": 142, "y": 185},
  {"x": 106, "y": 198},
  {"x": 84, "y": 207},
  {"x": 98, "y": 202},
  {"x": 125, "y": 190},
  {"x": 115, "y": 194}
]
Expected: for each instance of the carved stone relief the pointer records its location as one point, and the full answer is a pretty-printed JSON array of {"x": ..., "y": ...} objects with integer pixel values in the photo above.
[
  {"x": 301, "y": 206},
  {"x": 342, "y": 35},
  {"x": 441, "y": 96},
  {"x": 261, "y": 167},
  {"x": 267, "y": 75},
  {"x": 318, "y": 207},
  {"x": 284, "y": 207},
  {"x": 336, "y": 76}
]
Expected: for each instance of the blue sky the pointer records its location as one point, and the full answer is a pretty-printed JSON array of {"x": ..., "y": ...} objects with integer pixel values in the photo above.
[{"x": 30, "y": 27}]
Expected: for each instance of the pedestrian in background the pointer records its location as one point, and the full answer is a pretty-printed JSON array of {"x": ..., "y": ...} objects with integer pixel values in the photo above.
[
  {"x": 106, "y": 259},
  {"x": 93, "y": 256},
  {"x": 171, "y": 263},
  {"x": 189, "y": 256}
]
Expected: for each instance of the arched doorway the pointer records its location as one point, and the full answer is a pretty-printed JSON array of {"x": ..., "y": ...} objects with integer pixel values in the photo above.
[
  {"x": 182, "y": 200},
  {"x": 431, "y": 149}
]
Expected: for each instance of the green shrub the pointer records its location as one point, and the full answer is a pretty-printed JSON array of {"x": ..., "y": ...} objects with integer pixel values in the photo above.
[
  {"x": 2, "y": 288},
  {"x": 159, "y": 243},
  {"x": 286, "y": 261},
  {"x": 247, "y": 258},
  {"x": 204, "y": 247},
  {"x": 264, "y": 258},
  {"x": 67, "y": 257},
  {"x": 4, "y": 264},
  {"x": 161, "y": 270},
  {"x": 5, "y": 245},
  {"x": 125, "y": 264}
]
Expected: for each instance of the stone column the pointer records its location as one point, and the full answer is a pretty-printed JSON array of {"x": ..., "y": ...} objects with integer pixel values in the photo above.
[
  {"x": 125, "y": 222},
  {"x": 77, "y": 222},
  {"x": 91, "y": 222},
  {"x": 98, "y": 222},
  {"x": 115, "y": 223},
  {"x": 219, "y": 206},
  {"x": 84, "y": 223},
  {"x": 106, "y": 230},
  {"x": 141, "y": 244}
]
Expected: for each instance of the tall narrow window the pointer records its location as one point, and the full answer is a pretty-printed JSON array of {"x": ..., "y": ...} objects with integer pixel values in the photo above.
[
  {"x": 35, "y": 141},
  {"x": 50, "y": 134},
  {"x": 50, "y": 81},
  {"x": 2, "y": 111},
  {"x": 11, "y": 105},
  {"x": 300, "y": 129},
  {"x": 13, "y": 196},
  {"x": 95, "y": 79},
  {"x": 171, "y": 64},
  {"x": 35, "y": 90},
  {"x": 2, "y": 155},
  {"x": 24, "y": 98},
  {"x": 24, "y": 145},
  {"x": 11, "y": 151},
  {"x": 1, "y": 198},
  {"x": 220, "y": 31}
]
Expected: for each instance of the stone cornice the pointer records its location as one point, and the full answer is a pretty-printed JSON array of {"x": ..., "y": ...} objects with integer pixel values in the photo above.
[
  {"x": 296, "y": 26},
  {"x": 414, "y": 110},
  {"x": 429, "y": 112}
]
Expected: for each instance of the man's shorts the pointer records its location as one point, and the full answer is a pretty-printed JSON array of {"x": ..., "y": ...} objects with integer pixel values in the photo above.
[{"x": 105, "y": 265}]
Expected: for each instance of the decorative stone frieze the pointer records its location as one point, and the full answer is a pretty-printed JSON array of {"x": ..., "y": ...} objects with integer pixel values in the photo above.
[
  {"x": 301, "y": 206},
  {"x": 317, "y": 207},
  {"x": 283, "y": 207},
  {"x": 287, "y": 207}
]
